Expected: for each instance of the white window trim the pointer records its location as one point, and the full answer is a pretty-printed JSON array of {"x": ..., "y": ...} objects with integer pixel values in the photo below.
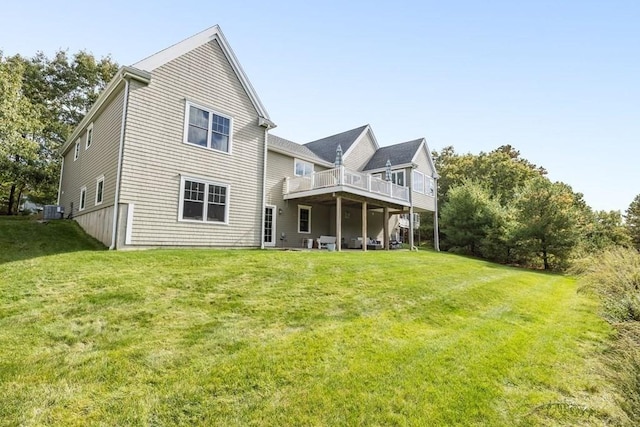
[
  {"x": 210, "y": 110},
  {"x": 99, "y": 180},
  {"x": 76, "y": 150},
  {"x": 404, "y": 176},
  {"x": 300, "y": 207},
  {"x": 207, "y": 182},
  {"x": 427, "y": 186},
  {"x": 295, "y": 162},
  {"x": 421, "y": 179},
  {"x": 274, "y": 215},
  {"x": 82, "y": 206},
  {"x": 89, "y": 132}
]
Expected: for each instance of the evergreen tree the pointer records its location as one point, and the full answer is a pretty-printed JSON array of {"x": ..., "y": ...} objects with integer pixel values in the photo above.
[
  {"x": 547, "y": 222},
  {"x": 632, "y": 219}
]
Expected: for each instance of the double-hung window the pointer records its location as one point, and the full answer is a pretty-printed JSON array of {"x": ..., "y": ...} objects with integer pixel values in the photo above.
[
  {"x": 207, "y": 128},
  {"x": 431, "y": 189},
  {"x": 418, "y": 181},
  {"x": 302, "y": 168},
  {"x": 204, "y": 201},
  {"x": 304, "y": 219}
]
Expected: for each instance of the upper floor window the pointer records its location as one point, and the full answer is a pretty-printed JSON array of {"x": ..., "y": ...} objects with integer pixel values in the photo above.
[
  {"x": 89, "y": 136},
  {"x": 207, "y": 128},
  {"x": 76, "y": 153},
  {"x": 204, "y": 201},
  {"x": 99, "y": 189},
  {"x": 303, "y": 168},
  {"x": 397, "y": 177},
  {"x": 418, "y": 181}
]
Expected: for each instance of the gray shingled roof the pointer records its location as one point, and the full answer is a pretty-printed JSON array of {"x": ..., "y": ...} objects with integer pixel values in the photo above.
[
  {"x": 325, "y": 148},
  {"x": 397, "y": 154},
  {"x": 291, "y": 147}
]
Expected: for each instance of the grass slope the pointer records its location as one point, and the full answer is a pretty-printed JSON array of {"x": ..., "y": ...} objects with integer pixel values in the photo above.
[{"x": 202, "y": 337}]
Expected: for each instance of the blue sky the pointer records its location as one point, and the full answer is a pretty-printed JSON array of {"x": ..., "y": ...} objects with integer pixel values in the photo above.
[{"x": 558, "y": 80}]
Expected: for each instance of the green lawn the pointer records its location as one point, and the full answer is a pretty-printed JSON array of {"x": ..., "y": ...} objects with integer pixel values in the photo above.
[{"x": 208, "y": 337}]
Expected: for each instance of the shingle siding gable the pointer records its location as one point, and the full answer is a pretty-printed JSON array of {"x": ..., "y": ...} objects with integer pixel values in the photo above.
[{"x": 155, "y": 156}]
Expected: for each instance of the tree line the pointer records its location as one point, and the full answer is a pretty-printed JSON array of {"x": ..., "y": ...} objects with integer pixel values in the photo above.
[
  {"x": 501, "y": 207},
  {"x": 42, "y": 99}
]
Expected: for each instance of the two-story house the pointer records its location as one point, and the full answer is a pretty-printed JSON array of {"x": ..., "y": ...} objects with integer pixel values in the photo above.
[{"x": 176, "y": 151}]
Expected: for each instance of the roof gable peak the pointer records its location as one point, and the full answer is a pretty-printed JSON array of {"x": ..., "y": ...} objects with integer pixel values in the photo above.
[{"x": 164, "y": 56}]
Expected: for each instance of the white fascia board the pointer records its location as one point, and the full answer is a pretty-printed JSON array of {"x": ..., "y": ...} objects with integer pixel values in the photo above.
[
  {"x": 213, "y": 33},
  {"x": 122, "y": 74},
  {"x": 359, "y": 138},
  {"x": 424, "y": 146}
]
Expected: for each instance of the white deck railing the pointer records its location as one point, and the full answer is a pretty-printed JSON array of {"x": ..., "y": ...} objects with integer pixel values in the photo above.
[{"x": 342, "y": 176}]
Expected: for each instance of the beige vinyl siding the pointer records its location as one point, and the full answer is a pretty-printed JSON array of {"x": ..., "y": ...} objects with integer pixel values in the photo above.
[
  {"x": 280, "y": 166},
  {"x": 420, "y": 200},
  {"x": 101, "y": 158},
  {"x": 155, "y": 156},
  {"x": 359, "y": 155}
]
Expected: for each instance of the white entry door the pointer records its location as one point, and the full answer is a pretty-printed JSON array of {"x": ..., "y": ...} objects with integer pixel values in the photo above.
[{"x": 270, "y": 226}]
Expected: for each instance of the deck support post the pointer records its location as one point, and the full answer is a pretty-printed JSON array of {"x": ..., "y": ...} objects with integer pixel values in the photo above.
[
  {"x": 385, "y": 226},
  {"x": 339, "y": 223},
  {"x": 364, "y": 226}
]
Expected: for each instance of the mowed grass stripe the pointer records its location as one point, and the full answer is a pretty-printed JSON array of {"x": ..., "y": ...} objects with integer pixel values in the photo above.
[{"x": 201, "y": 337}]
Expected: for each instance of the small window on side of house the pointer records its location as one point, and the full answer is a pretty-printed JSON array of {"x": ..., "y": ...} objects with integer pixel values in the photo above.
[
  {"x": 83, "y": 198},
  {"x": 76, "y": 152},
  {"x": 99, "y": 190},
  {"x": 89, "y": 136}
]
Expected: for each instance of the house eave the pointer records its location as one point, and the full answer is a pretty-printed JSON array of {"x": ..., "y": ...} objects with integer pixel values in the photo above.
[
  {"x": 123, "y": 74},
  {"x": 291, "y": 154}
]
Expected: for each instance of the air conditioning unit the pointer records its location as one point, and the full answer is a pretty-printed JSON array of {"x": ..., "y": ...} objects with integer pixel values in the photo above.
[{"x": 53, "y": 212}]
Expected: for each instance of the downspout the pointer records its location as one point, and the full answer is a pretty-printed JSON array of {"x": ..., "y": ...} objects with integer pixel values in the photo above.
[
  {"x": 264, "y": 187},
  {"x": 60, "y": 182},
  {"x": 436, "y": 233},
  {"x": 114, "y": 232}
]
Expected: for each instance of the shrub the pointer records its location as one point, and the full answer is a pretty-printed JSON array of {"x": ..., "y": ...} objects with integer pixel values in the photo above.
[{"x": 614, "y": 275}]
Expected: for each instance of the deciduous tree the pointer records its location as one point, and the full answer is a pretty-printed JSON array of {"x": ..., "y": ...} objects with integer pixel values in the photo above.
[
  {"x": 60, "y": 90},
  {"x": 20, "y": 127}
]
